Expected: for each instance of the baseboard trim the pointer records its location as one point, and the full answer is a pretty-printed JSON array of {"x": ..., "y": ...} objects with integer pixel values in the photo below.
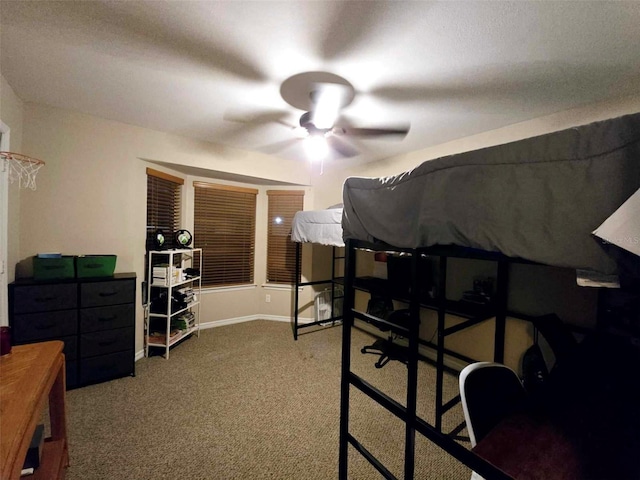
[
  {"x": 232, "y": 321},
  {"x": 228, "y": 321},
  {"x": 250, "y": 318}
]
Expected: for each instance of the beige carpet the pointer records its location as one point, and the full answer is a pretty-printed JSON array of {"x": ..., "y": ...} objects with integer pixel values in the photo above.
[{"x": 247, "y": 402}]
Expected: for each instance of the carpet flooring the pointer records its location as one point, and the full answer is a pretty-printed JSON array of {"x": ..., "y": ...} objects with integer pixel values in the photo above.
[{"x": 246, "y": 401}]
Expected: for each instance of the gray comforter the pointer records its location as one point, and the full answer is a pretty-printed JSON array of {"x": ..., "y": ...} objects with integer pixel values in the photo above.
[{"x": 538, "y": 199}]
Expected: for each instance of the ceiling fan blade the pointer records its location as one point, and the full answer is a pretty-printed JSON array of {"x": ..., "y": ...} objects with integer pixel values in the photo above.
[
  {"x": 276, "y": 147},
  {"x": 342, "y": 147},
  {"x": 135, "y": 31},
  {"x": 398, "y": 132},
  {"x": 363, "y": 21},
  {"x": 498, "y": 89},
  {"x": 275, "y": 116}
]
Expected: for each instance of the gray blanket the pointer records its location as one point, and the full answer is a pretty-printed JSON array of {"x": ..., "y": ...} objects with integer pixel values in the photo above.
[{"x": 538, "y": 199}]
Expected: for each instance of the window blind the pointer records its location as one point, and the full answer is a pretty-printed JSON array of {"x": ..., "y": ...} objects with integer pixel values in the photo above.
[
  {"x": 281, "y": 251},
  {"x": 224, "y": 227},
  {"x": 164, "y": 196}
]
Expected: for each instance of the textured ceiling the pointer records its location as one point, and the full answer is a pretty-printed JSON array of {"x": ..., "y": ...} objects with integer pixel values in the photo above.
[{"x": 450, "y": 69}]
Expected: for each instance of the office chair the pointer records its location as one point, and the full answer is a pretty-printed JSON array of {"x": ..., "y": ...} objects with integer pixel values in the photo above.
[
  {"x": 489, "y": 392},
  {"x": 382, "y": 307}
]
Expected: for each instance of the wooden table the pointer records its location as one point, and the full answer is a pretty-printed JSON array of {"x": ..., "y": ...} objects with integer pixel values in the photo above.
[{"x": 30, "y": 375}]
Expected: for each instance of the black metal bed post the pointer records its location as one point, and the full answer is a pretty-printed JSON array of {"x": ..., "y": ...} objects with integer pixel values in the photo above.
[
  {"x": 412, "y": 368},
  {"x": 296, "y": 290},
  {"x": 347, "y": 324},
  {"x": 333, "y": 283},
  {"x": 442, "y": 301},
  {"x": 501, "y": 309}
]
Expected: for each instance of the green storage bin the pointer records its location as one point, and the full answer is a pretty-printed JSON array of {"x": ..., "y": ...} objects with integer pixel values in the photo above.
[
  {"x": 95, "y": 265},
  {"x": 53, "y": 268}
]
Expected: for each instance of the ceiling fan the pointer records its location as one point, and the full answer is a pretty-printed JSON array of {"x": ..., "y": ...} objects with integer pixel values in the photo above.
[{"x": 322, "y": 96}]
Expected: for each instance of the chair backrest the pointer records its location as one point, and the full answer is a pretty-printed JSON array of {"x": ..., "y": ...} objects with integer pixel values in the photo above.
[{"x": 489, "y": 392}]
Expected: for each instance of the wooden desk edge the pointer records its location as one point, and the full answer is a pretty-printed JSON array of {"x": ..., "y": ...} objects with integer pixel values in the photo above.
[{"x": 53, "y": 386}]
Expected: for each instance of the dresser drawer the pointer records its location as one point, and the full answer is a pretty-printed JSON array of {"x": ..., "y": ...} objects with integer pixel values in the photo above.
[
  {"x": 44, "y": 298},
  {"x": 71, "y": 369},
  {"x": 105, "y": 318},
  {"x": 70, "y": 348},
  {"x": 106, "y": 367},
  {"x": 98, "y": 294},
  {"x": 106, "y": 341},
  {"x": 44, "y": 326}
]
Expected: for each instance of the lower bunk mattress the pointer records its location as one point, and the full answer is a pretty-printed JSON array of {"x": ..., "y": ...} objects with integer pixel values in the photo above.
[
  {"x": 537, "y": 199},
  {"x": 318, "y": 226}
]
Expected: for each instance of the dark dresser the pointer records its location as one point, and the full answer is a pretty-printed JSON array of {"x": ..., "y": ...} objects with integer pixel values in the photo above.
[{"x": 94, "y": 317}]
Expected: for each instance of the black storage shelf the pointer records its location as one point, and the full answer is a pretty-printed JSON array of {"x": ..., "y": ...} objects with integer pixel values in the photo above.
[{"x": 458, "y": 308}]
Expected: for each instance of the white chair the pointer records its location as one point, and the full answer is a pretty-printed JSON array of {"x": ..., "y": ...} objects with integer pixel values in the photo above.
[{"x": 489, "y": 392}]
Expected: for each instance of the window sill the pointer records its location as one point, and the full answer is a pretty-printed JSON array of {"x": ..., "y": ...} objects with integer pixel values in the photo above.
[
  {"x": 278, "y": 286},
  {"x": 229, "y": 288}
]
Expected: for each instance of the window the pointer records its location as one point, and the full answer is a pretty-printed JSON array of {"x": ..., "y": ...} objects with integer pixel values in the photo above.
[
  {"x": 281, "y": 251},
  {"x": 224, "y": 227},
  {"x": 164, "y": 194}
]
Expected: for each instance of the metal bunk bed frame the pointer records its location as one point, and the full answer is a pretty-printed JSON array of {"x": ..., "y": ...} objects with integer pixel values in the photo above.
[
  {"x": 333, "y": 281},
  {"x": 407, "y": 414}
]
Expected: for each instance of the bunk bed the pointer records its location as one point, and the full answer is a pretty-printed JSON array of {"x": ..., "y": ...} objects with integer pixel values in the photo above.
[
  {"x": 536, "y": 200},
  {"x": 320, "y": 227}
]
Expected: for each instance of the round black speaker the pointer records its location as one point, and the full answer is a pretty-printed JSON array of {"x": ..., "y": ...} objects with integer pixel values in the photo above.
[
  {"x": 159, "y": 239},
  {"x": 183, "y": 238}
]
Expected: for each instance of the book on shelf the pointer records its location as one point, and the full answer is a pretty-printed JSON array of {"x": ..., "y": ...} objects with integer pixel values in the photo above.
[
  {"x": 34, "y": 453},
  {"x": 185, "y": 321},
  {"x": 165, "y": 275},
  {"x": 160, "y": 338},
  {"x": 186, "y": 294}
]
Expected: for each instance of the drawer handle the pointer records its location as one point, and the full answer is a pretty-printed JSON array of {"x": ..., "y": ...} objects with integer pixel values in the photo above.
[
  {"x": 106, "y": 344},
  {"x": 45, "y": 326},
  {"x": 107, "y": 319},
  {"x": 108, "y": 294},
  {"x": 45, "y": 299}
]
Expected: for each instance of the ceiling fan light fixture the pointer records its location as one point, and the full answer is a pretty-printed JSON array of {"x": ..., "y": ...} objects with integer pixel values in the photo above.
[
  {"x": 301, "y": 132},
  {"x": 316, "y": 147},
  {"x": 328, "y": 100}
]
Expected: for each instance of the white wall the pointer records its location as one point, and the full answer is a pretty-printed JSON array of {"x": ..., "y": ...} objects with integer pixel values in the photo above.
[
  {"x": 91, "y": 195},
  {"x": 11, "y": 116}
]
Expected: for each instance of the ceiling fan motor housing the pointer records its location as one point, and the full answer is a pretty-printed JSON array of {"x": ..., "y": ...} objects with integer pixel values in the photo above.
[{"x": 307, "y": 123}]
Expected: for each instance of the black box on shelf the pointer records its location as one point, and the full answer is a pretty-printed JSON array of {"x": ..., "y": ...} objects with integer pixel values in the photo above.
[{"x": 34, "y": 454}]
